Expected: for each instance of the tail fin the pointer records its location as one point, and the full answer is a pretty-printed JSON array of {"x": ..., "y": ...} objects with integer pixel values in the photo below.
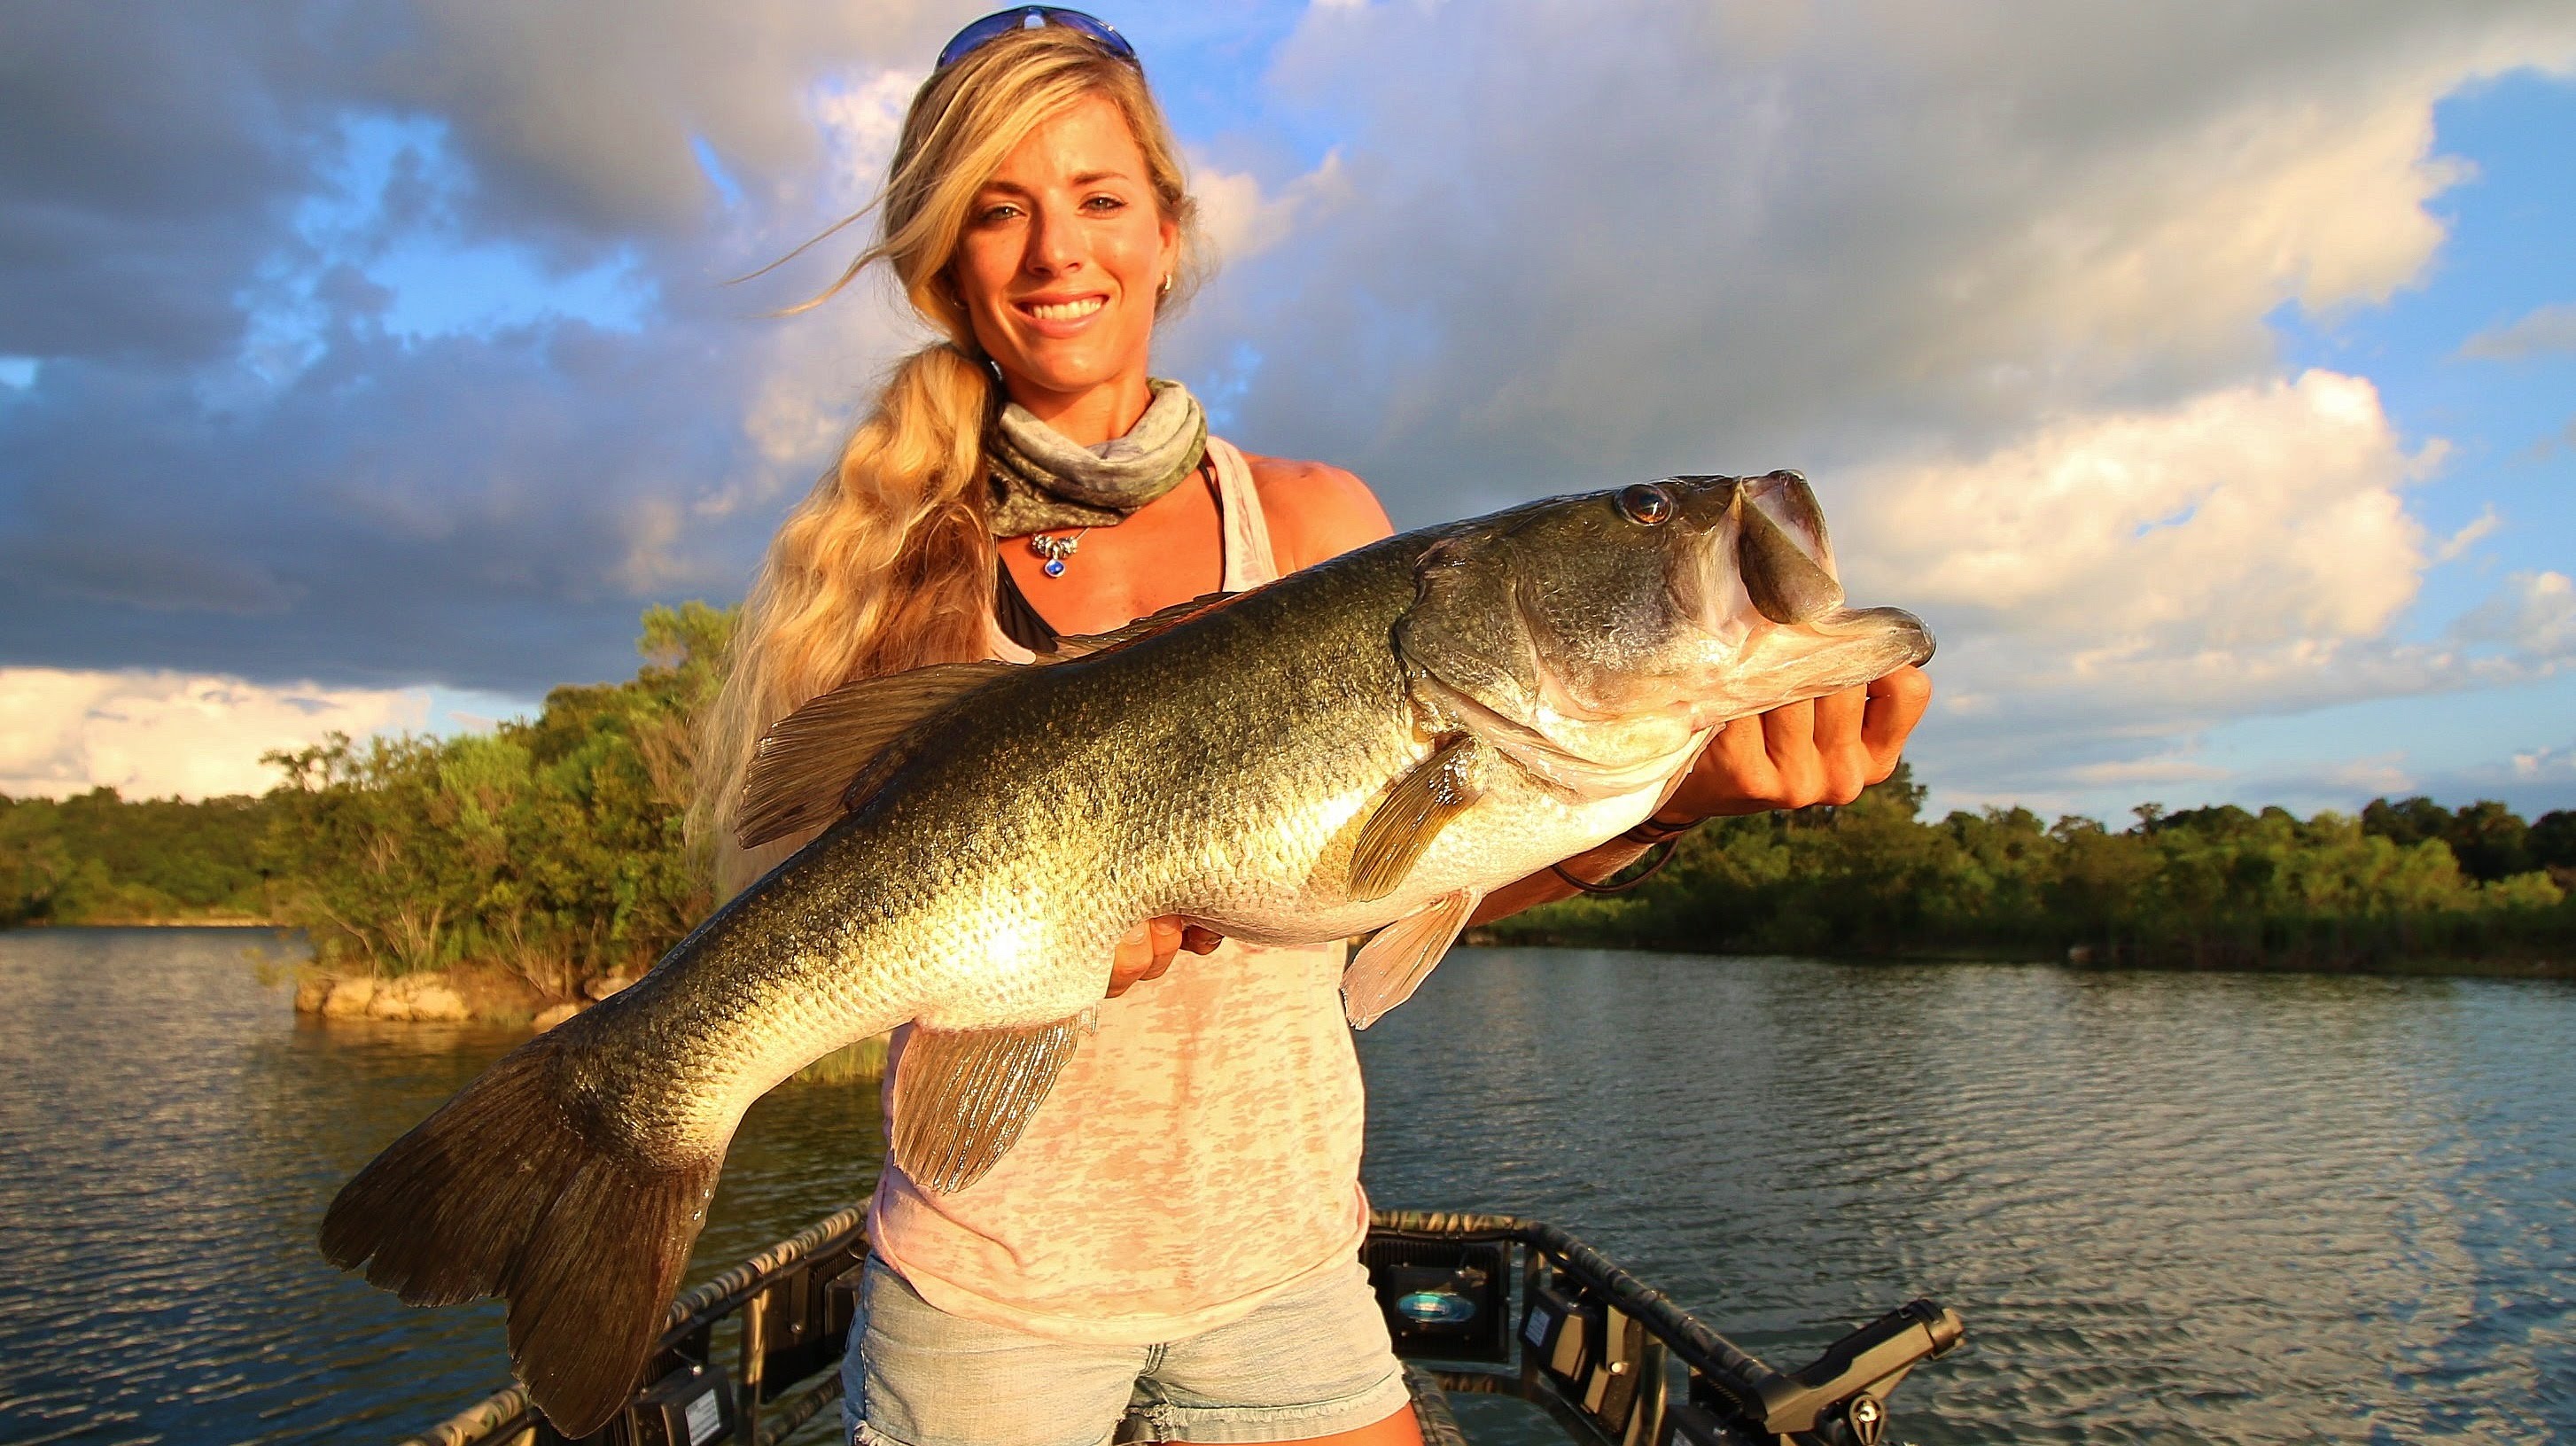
[{"x": 499, "y": 1193}]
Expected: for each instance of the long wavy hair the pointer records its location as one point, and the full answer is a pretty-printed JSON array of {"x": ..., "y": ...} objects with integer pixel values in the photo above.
[{"x": 888, "y": 564}]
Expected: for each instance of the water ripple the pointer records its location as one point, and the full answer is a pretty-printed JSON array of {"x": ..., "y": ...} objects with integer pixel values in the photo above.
[{"x": 2173, "y": 1207}]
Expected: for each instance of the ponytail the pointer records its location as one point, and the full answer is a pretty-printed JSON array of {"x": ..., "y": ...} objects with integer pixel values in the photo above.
[{"x": 886, "y": 565}]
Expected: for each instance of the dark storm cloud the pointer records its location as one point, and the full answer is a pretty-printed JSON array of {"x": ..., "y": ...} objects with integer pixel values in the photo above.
[
  {"x": 226, "y": 461},
  {"x": 469, "y": 529}
]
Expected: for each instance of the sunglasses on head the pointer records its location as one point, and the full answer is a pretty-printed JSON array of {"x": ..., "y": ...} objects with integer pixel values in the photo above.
[{"x": 1019, "y": 17}]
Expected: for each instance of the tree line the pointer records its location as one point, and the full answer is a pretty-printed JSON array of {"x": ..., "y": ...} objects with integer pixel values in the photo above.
[
  {"x": 2408, "y": 881},
  {"x": 550, "y": 847},
  {"x": 553, "y": 848}
]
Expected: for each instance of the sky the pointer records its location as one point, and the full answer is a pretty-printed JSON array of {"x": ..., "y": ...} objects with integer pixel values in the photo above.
[{"x": 2204, "y": 373}]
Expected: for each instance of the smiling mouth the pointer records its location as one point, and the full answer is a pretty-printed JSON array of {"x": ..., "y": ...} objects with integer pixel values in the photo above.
[{"x": 1064, "y": 310}]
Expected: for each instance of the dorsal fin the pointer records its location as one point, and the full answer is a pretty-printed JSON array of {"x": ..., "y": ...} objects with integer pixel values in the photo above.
[
  {"x": 800, "y": 776},
  {"x": 1083, "y": 645}
]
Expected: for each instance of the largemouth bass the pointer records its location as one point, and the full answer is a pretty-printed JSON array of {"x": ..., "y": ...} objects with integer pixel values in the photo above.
[{"x": 1370, "y": 744}]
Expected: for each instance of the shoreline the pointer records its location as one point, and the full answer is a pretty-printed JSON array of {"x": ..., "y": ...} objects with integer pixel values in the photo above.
[
  {"x": 2079, "y": 958},
  {"x": 2083, "y": 959},
  {"x": 227, "y": 922}
]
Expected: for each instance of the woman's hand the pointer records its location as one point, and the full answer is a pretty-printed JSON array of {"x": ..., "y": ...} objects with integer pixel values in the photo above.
[
  {"x": 1823, "y": 751},
  {"x": 1148, "y": 950}
]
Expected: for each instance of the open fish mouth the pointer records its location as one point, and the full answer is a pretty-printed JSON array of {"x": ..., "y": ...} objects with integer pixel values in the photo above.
[{"x": 1769, "y": 560}]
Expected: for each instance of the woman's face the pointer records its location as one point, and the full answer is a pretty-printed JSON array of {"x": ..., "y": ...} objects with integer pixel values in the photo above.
[{"x": 1063, "y": 257}]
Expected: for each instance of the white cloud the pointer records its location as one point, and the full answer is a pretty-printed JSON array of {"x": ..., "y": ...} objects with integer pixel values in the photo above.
[
  {"x": 2382, "y": 774},
  {"x": 2534, "y": 613},
  {"x": 2477, "y": 530},
  {"x": 1820, "y": 236},
  {"x": 2548, "y": 329},
  {"x": 2146, "y": 771},
  {"x": 2114, "y": 585},
  {"x": 2248, "y": 517},
  {"x": 1241, "y": 222},
  {"x": 163, "y": 734},
  {"x": 2545, "y": 762}
]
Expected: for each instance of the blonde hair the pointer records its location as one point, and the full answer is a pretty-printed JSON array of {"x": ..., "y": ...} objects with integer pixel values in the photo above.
[{"x": 887, "y": 564}]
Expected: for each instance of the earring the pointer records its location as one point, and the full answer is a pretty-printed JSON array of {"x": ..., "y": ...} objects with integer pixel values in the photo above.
[{"x": 1167, "y": 289}]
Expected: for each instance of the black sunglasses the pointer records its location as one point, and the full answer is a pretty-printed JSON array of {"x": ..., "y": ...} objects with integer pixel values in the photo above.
[{"x": 1002, "y": 22}]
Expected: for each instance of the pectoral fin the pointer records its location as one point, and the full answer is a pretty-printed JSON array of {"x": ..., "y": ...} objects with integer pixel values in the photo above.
[
  {"x": 962, "y": 1097},
  {"x": 802, "y": 775},
  {"x": 1412, "y": 815},
  {"x": 1391, "y": 965}
]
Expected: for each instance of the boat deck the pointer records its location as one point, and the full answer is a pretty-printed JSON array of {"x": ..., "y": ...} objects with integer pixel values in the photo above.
[{"x": 1611, "y": 1360}]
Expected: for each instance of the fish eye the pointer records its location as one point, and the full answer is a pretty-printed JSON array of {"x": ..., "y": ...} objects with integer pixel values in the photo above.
[{"x": 1646, "y": 505}]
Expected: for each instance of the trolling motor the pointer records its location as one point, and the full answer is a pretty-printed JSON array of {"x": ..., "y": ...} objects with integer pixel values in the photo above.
[
  {"x": 1838, "y": 1400},
  {"x": 1594, "y": 1344}
]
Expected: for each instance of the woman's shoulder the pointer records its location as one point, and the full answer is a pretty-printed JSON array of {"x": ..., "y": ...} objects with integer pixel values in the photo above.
[{"x": 1315, "y": 510}]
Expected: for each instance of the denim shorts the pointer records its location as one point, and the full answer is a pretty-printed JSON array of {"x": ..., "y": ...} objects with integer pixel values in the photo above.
[{"x": 1310, "y": 1362}]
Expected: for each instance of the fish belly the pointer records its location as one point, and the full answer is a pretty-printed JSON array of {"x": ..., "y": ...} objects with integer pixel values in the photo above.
[{"x": 1515, "y": 831}]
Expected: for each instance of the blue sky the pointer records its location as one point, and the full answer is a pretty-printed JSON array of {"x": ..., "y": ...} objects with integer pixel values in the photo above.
[
  {"x": 2193, "y": 369},
  {"x": 2511, "y": 426}
]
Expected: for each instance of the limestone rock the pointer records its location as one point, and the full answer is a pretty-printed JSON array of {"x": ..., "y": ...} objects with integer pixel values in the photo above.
[
  {"x": 349, "y": 998},
  {"x": 390, "y": 1002},
  {"x": 435, "y": 1002},
  {"x": 606, "y": 985},
  {"x": 312, "y": 991},
  {"x": 548, "y": 1018}
]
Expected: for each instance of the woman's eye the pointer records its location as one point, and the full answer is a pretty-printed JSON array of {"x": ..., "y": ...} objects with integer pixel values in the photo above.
[
  {"x": 1001, "y": 211},
  {"x": 1106, "y": 203}
]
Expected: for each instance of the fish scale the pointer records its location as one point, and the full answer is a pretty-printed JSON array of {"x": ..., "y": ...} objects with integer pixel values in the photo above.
[{"x": 1372, "y": 743}]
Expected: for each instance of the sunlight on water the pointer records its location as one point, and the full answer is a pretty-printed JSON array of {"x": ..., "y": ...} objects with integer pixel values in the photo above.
[{"x": 2172, "y": 1207}]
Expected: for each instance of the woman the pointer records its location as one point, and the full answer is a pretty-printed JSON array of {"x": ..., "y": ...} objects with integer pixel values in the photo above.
[{"x": 1170, "y": 1250}]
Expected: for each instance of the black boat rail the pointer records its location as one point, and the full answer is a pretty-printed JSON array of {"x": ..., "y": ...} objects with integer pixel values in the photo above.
[
  {"x": 1594, "y": 1343},
  {"x": 1594, "y": 1347}
]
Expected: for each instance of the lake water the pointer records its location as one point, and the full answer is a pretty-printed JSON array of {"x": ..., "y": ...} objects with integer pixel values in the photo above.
[{"x": 2172, "y": 1207}]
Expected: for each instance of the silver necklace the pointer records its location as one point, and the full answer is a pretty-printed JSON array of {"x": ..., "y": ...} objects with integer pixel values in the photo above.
[{"x": 1055, "y": 550}]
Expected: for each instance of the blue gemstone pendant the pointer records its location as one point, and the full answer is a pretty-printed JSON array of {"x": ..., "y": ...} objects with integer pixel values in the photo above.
[{"x": 1055, "y": 550}]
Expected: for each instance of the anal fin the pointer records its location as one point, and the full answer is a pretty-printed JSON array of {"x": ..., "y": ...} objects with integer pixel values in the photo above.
[
  {"x": 1393, "y": 963},
  {"x": 962, "y": 1096}
]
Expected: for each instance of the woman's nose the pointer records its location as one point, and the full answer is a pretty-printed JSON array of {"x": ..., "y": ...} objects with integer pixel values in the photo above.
[{"x": 1055, "y": 244}]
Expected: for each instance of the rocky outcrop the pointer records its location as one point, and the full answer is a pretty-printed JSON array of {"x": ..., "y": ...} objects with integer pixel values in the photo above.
[
  {"x": 349, "y": 998},
  {"x": 550, "y": 1017},
  {"x": 453, "y": 997}
]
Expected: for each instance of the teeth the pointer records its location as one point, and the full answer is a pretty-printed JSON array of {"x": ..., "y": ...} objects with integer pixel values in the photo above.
[{"x": 1065, "y": 310}]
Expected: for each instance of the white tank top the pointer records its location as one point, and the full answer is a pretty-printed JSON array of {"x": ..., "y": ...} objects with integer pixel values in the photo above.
[{"x": 1200, "y": 1153}]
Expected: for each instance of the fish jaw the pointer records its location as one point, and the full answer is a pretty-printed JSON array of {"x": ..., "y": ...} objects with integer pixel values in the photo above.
[{"x": 1775, "y": 665}]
